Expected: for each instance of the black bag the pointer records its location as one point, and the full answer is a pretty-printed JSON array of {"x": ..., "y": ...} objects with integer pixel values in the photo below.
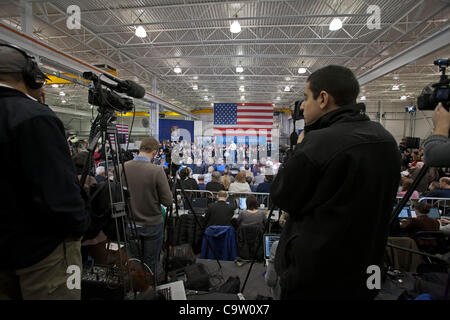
[
  {"x": 197, "y": 278},
  {"x": 180, "y": 256},
  {"x": 232, "y": 285},
  {"x": 100, "y": 211}
]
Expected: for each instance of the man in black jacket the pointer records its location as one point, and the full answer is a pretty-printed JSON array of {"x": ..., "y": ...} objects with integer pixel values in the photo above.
[
  {"x": 43, "y": 215},
  {"x": 338, "y": 188},
  {"x": 219, "y": 213}
]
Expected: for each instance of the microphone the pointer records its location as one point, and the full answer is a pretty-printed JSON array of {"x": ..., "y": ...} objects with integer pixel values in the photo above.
[{"x": 130, "y": 88}]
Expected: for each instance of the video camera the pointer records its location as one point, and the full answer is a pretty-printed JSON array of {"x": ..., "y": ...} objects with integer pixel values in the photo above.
[
  {"x": 437, "y": 92},
  {"x": 107, "y": 99},
  {"x": 297, "y": 113}
]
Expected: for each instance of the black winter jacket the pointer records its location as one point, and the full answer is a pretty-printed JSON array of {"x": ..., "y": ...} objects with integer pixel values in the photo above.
[
  {"x": 338, "y": 188},
  {"x": 41, "y": 197}
]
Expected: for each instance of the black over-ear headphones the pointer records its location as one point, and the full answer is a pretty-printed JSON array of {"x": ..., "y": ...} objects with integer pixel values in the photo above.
[{"x": 31, "y": 70}]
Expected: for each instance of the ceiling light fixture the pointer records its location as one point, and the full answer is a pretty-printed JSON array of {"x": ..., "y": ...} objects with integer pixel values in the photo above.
[
  {"x": 55, "y": 86},
  {"x": 335, "y": 24},
  {"x": 235, "y": 27},
  {"x": 278, "y": 98},
  {"x": 62, "y": 93},
  {"x": 239, "y": 69},
  {"x": 395, "y": 87},
  {"x": 287, "y": 89},
  {"x": 242, "y": 98},
  {"x": 301, "y": 70},
  {"x": 241, "y": 89},
  {"x": 195, "y": 87},
  {"x": 241, "y": 77},
  {"x": 140, "y": 32},
  {"x": 177, "y": 69},
  {"x": 63, "y": 101},
  {"x": 363, "y": 98},
  {"x": 403, "y": 97}
]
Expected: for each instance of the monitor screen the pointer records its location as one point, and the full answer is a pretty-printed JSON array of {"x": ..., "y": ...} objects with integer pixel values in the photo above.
[
  {"x": 434, "y": 213},
  {"x": 243, "y": 203},
  {"x": 269, "y": 239},
  {"x": 405, "y": 213}
]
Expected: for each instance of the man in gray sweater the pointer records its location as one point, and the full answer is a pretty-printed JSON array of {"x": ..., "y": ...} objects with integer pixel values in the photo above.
[{"x": 149, "y": 189}]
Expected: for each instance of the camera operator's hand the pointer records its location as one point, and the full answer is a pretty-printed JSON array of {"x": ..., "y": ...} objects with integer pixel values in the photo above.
[
  {"x": 301, "y": 137},
  {"x": 441, "y": 120}
]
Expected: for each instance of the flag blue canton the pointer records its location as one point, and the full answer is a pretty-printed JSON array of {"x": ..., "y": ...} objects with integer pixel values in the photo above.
[{"x": 225, "y": 113}]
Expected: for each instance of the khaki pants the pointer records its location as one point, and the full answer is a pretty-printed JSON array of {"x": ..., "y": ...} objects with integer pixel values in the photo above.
[{"x": 47, "y": 279}]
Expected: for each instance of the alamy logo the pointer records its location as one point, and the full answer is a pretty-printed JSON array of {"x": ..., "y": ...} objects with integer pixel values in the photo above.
[
  {"x": 74, "y": 19},
  {"x": 74, "y": 280},
  {"x": 374, "y": 280},
  {"x": 374, "y": 21}
]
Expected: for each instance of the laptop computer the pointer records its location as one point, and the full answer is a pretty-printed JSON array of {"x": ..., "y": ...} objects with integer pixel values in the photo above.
[
  {"x": 434, "y": 213},
  {"x": 172, "y": 291},
  {"x": 243, "y": 203},
  {"x": 269, "y": 239},
  {"x": 199, "y": 205},
  {"x": 405, "y": 213}
]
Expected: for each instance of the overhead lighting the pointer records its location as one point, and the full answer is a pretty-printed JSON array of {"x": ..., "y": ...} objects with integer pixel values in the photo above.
[
  {"x": 140, "y": 32},
  {"x": 336, "y": 24},
  {"x": 241, "y": 89},
  {"x": 62, "y": 93},
  {"x": 363, "y": 98},
  {"x": 403, "y": 98},
  {"x": 195, "y": 78},
  {"x": 195, "y": 87},
  {"x": 55, "y": 86},
  {"x": 242, "y": 98},
  {"x": 287, "y": 89},
  {"x": 235, "y": 27},
  {"x": 302, "y": 70},
  {"x": 239, "y": 69},
  {"x": 92, "y": 107},
  {"x": 241, "y": 77},
  {"x": 278, "y": 98},
  {"x": 395, "y": 87},
  {"x": 63, "y": 101},
  {"x": 177, "y": 69},
  {"x": 206, "y": 98}
]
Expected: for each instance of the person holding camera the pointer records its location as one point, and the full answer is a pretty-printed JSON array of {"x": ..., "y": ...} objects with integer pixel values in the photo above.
[
  {"x": 44, "y": 216},
  {"x": 338, "y": 187},
  {"x": 437, "y": 146}
]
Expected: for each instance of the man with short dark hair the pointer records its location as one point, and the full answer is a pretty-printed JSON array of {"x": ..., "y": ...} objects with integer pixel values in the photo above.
[
  {"x": 219, "y": 213},
  {"x": 43, "y": 216},
  {"x": 339, "y": 188},
  {"x": 149, "y": 189},
  {"x": 265, "y": 186}
]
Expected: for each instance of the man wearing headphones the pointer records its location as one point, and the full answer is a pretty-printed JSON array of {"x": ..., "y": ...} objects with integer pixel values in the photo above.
[{"x": 43, "y": 215}]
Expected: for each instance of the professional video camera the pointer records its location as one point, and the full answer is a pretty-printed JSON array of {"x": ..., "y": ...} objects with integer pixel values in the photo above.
[
  {"x": 437, "y": 92},
  {"x": 107, "y": 99}
]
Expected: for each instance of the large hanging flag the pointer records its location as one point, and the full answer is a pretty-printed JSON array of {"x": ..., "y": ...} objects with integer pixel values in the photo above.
[
  {"x": 122, "y": 134},
  {"x": 253, "y": 120}
]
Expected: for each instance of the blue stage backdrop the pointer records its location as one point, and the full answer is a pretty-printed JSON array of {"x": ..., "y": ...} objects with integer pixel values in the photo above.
[{"x": 176, "y": 130}]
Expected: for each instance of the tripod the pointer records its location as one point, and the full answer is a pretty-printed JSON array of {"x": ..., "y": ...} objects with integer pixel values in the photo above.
[{"x": 102, "y": 128}]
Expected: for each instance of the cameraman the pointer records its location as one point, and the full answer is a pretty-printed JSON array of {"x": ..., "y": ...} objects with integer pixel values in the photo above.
[
  {"x": 338, "y": 187},
  {"x": 437, "y": 146},
  {"x": 43, "y": 215}
]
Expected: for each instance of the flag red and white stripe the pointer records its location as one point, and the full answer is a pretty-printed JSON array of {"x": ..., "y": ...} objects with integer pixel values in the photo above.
[{"x": 121, "y": 129}]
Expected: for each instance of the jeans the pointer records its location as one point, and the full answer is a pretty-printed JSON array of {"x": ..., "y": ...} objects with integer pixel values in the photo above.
[{"x": 152, "y": 239}]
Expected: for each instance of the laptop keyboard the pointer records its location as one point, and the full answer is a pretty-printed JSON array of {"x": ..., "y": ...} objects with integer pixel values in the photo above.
[{"x": 166, "y": 292}]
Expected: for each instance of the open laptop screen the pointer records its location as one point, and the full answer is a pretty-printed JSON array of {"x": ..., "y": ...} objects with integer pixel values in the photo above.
[
  {"x": 269, "y": 239},
  {"x": 243, "y": 203}
]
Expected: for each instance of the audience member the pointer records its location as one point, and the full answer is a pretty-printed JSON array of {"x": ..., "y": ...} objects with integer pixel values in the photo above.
[
  {"x": 215, "y": 185},
  {"x": 219, "y": 213},
  {"x": 201, "y": 182},
  {"x": 225, "y": 180},
  {"x": 249, "y": 180},
  {"x": 265, "y": 186},
  {"x": 443, "y": 191},
  {"x": 187, "y": 181},
  {"x": 100, "y": 174},
  {"x": 251, "y": 215},
  {"x": 240, "y": 184},
  {"x": 434, "y": 185},
  {"x": 422, "y": 222},
  {"x": 406, "y": 184}
]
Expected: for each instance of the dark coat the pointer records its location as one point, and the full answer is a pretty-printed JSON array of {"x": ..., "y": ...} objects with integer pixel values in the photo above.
[
  {"x": 339, "y": 188},
  {"x": 42, "y": 203},
  {"x": 219, "y": 214}
]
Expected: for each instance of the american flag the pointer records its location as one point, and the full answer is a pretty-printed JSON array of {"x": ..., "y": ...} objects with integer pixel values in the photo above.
[
  {"x": 122, "y": 134},
  {"x": 243, "y": 120}
]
